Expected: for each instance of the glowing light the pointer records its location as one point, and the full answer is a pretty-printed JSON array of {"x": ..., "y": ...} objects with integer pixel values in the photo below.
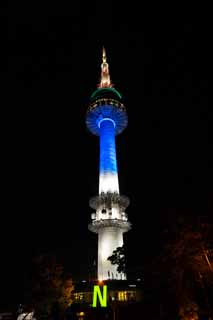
[
  {"x": 107, "y": 108},
  {"x": 102, "y": 298},
  {"x": 81, "y": 315},
  {"x": 122, "y": 296},
  {"x": 106, "y": 119},
  {"x": 100, "y": 90},
  {"x": 26, "y": 316},
  {"x": 108, "y": 181},
  {"x": 105, "y": 77},
  {"x": 108, "y": 240},
  {"x": 108, "y": 163}
]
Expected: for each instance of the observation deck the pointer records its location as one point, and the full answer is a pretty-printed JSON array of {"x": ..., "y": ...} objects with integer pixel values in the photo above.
[
  {"x": 106, "y": 103},
  {"x": 97, "y": 225},
  {"x": 109, "y": 200}
]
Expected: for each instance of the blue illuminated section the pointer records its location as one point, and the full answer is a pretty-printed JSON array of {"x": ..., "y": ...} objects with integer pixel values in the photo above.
[
  {"x": 107, "y": 117},
  {"x": 108, "y": 164},
  {"x": 106, "y": 111}
]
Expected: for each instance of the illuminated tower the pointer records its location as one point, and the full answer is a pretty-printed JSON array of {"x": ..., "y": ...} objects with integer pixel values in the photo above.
[{"x": 106, "y": 117}]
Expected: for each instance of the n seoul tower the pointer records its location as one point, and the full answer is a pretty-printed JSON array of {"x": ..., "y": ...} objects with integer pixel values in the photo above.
[{"x": 106, "y": 117}]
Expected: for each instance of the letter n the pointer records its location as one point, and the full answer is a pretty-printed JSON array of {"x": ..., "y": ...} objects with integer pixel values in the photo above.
[{"x": 102, "y": 298}]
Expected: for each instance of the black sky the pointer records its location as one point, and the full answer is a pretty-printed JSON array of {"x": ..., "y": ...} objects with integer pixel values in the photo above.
[{"x": 159, "y": 60}]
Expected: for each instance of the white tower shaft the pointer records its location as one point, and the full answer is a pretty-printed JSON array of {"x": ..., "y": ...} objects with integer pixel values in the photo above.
[{"x": 109, "y": 239}]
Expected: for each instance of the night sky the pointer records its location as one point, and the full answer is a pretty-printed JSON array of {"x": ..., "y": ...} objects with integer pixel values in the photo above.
[{"x": 159, "y": 60}]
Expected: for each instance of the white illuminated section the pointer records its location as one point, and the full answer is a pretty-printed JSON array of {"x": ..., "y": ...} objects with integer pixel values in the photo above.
[
  {"x": 26, "y": 316},
  {"x": 108, "y": 240},
  {"x": 108, "y": 183}
]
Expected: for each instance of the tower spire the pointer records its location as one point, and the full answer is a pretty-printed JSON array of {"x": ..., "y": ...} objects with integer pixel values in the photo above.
[{"x": 105, "y": 77}]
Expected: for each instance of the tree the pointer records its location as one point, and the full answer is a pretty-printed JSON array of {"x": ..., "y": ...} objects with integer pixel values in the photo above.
[
  {"x": 185, "y": 266},
  {"x": 51, "y": 288},
  {"x": 118, "y": 258}
]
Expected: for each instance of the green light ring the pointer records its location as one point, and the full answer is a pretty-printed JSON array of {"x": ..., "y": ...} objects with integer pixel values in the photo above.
[{"x": 110, "y": 89}]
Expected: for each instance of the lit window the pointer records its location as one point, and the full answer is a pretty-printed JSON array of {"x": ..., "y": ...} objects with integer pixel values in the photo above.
[
  {"x": 122, "y": 296},
  {"x": 78, "y": 296},
  {"x": 126, "y": 295}
]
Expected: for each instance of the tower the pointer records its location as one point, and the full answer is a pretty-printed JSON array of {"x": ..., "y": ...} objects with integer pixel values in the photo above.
[{"x": 106, "y": 117}]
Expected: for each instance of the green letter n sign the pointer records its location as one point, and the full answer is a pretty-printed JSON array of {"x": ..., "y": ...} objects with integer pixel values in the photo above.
[{"x": 102, "y": 298}]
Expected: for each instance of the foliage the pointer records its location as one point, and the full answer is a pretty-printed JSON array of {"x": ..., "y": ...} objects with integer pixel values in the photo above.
[
  {"x": 118, "y": 258},
  {"x": 51, "y": 289},
  {"x": 189, "y": 311},
  {"x": 185, "y": 266}
]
